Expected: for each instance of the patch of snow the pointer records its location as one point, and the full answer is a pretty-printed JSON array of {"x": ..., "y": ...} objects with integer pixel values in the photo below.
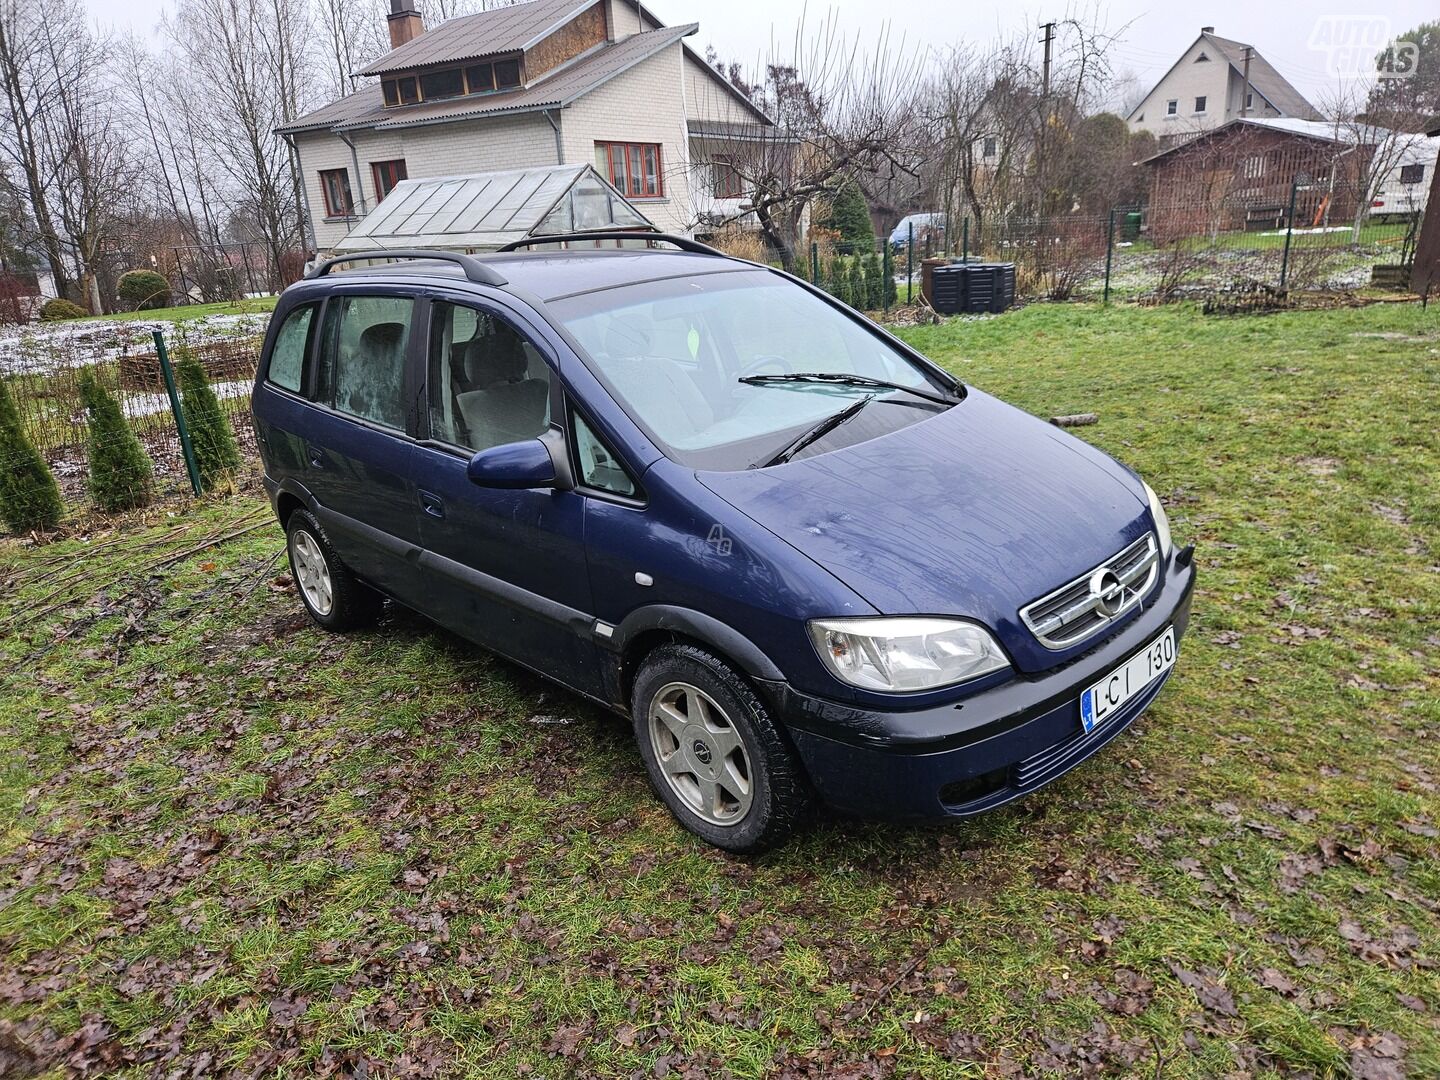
[
  {"x": 44, "y": 348},
  {"x": 137, "y": 405}
]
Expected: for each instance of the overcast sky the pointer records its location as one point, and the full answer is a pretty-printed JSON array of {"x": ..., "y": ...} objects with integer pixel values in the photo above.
[{"x": 1297, "y": 40}]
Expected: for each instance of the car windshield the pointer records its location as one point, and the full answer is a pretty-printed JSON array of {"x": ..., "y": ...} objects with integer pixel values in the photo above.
[{"x": 698, "y": 364}]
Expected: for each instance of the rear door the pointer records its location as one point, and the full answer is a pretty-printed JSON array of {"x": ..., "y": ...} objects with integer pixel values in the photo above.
[
  {"x": 508, "y": 568},
  {"x": 358, "y": 447}
]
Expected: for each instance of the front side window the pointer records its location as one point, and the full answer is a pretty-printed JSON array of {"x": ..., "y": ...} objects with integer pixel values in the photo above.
[
  {"x": 595, "y": 465},
  {"x": 1200, "y": 104},
  {"x": 362, "y": 357},
  {"x": 1412, "y": 174},
  {"x": 292, "y": 345},
  {"x": 634, "y": 168},
  {"x": 675, "y": 354},
  {"x": 487, "y": 385},
  {"x": 992, "y": 146},
  {"x": 335, "y": 185},
  {"x": 1171, "y": 108}
]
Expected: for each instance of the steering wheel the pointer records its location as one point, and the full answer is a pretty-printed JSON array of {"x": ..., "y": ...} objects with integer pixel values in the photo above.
[{"x": 782, "y": 366}]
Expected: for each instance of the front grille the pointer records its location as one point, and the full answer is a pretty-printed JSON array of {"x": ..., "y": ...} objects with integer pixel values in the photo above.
[{"x": 1075, "y": 611}]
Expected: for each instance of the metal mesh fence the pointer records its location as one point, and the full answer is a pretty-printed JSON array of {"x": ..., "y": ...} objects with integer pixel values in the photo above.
[
  {"x": 1202, "y": 250},
  {"x": 43, "y": 374}
]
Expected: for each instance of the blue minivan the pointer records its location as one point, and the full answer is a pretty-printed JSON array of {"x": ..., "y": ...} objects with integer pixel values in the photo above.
[{"x": 808, "y": 564}]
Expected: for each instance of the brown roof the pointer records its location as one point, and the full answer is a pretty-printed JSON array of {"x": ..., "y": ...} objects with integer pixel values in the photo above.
[
  {"x": 502, "y": 30},
  {"x": 366, "y": 108},
  {"x": 1265, "y": 80}
]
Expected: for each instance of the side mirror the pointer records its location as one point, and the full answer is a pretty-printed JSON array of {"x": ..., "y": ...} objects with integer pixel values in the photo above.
[{"x": 514, "y": 465}]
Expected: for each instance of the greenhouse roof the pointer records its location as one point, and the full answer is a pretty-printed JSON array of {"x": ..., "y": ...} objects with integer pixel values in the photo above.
[{"x": 484, "y": 211}]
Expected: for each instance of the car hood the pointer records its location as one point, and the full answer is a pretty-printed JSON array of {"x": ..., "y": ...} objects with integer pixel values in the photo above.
[{"x": 974, "y": 512}]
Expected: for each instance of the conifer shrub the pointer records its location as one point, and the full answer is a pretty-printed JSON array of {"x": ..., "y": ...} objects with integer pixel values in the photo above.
[
  {"x": 29, "y": 496},
  {"x": 120, "y": 470},
  {"x": 837, "y": 282},
  {"x": 216, "y": 452},
  {"x": 858, "y": 296}
]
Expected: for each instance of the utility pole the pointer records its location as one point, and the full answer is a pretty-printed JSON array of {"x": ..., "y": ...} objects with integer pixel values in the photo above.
[
  {"x": 1049, "y": 38},
  {"x": 1245, "y": 90}
]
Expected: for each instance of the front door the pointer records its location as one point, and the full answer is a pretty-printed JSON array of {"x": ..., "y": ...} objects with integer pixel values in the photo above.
[
  {"x": 358, "y": 455},
  {"x": 507, "y": 568}
]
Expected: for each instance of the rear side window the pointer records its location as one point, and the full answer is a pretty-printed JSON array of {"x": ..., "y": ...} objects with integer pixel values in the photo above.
[
  {"x": 487, "y": 384},
  {"x": 292, "y": 345},
  {"x": 362, "y": 357}
]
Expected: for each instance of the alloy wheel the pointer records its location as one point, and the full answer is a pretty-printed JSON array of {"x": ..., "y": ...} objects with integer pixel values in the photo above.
[{"x": 701, "y": 754}]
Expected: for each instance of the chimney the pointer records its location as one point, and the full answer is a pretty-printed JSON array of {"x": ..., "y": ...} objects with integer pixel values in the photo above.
[
  {"x": 405, "y": 22},
  {"x": 1203, "y": 29}
]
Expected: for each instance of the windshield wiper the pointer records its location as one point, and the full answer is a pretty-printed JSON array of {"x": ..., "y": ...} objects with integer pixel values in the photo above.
[
  {"x": 819, "y": 431},
  {"x": 840, "y": 378}
]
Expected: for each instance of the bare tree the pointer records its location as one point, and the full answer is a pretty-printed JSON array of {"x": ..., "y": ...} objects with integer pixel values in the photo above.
[
  {"x": 840, "y": 111},
  {"x": 93, "y": 171},
  {"x": 29, "y": 87},
  {"x": 1378, "y": 140},
  {"x": 248, "y": 58}
]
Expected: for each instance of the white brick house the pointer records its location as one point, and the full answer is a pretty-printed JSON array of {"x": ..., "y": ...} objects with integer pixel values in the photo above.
[
  {"x": 549, "y": 82},
  {"x": 1216, "y": 80}
]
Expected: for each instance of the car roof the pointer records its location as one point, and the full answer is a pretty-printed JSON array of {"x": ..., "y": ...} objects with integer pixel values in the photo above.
[{"x": 550, "y": 275}]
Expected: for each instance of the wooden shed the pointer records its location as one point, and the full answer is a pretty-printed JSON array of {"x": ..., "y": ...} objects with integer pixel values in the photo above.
[{"x": 1239, "y": 177}]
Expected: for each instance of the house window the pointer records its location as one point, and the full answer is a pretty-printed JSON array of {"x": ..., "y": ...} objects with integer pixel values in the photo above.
[
  {"x": 479, "y": 78},
  {"x": 1202, "y": 58},
  {"x": 727, "y": 183},
  {"x": 335, "y": 185},
  {"x": 436, "y": 85},
  {"x": 1172, "y": 107},
  {"x": 507, "y": 74},
  {"x": 1249, "y": 101},
  {"x": 400, "y": 91},
  {"x": 992, "y": 145},
  {"x": 1200, "y": 104},
  {"x": 634, "y": 168},
  {"x": 387, "y": 175},
  {"x": 1412, "y": 174}
]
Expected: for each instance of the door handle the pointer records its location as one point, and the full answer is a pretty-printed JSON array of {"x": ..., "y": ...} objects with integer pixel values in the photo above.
[
  {"x": 316, "y": 455},
  {"x": 432, "y": 504}
]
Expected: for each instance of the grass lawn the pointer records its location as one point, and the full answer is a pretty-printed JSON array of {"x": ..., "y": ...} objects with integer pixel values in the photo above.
[
  {"x": 234, "y": 842},
  {"x": 188, "y": 312}
]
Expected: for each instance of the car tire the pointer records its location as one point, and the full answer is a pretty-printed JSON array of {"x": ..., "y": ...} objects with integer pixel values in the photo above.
[
  {"x": 715, "y": 756},
  {"x": 333, "y": 596}
]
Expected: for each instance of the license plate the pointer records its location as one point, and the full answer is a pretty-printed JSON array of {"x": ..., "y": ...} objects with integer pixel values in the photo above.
[{"x": 1122, "y": 684}]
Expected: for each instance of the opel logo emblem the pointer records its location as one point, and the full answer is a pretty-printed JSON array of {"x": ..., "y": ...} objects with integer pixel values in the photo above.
[
  {"x": 701, "y": 750},
  {"x": 1106, "y": 591}
]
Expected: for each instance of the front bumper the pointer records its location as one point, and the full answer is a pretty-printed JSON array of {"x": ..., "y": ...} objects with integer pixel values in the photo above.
[{"x": 960, "y": 759}]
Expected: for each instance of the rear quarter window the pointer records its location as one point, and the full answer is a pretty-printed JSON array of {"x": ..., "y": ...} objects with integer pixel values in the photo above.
[{"x": 292, "y": 346}]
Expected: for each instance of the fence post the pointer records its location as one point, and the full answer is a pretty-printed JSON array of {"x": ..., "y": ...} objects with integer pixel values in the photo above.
[
  {"x": 887, "y": 271},
  {"x": 814, "y": 262},
  {"x": 186, "y": 450},
  {"x": 910, "y": 265},
  {"x": 965, "y": 241},
  {"x": 1109, "y": 252},
  {"x": 1289, "y": 229}
]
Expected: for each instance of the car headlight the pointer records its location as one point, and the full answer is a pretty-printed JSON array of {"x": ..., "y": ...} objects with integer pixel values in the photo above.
[
  {"x": 898, "y": 655},
  {"x": 1162, "y": 523}
]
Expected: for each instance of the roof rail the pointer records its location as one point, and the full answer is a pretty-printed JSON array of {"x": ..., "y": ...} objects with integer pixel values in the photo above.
[
  {"x": 684, "y": 243},
  {"x": 475, "y": 270}
]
